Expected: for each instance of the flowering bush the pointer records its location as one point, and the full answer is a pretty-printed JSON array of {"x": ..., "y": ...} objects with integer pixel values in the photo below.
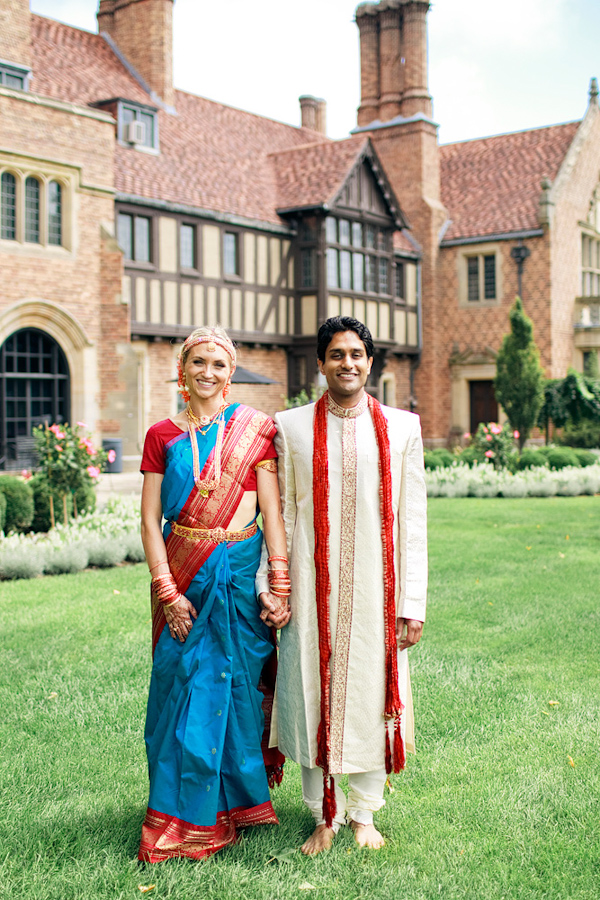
[
  {"x": 496, "y": 442},
  {"x": 69, "y": 461}
]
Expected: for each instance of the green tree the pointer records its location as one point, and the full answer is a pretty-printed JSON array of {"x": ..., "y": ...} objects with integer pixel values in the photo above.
[{"x": 519, "y": 382}]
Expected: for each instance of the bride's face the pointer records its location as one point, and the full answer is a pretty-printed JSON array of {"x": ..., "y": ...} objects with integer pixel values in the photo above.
[{"x": 207, "y": 372}]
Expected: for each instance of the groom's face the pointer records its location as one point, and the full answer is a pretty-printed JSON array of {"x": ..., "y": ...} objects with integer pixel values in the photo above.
[{"x": 346, "y": 367}]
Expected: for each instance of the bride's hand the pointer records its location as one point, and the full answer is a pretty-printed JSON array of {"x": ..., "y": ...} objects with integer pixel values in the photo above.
[
  {"x": 180, "y": 618},
  {"x": 275, "y": 610}
]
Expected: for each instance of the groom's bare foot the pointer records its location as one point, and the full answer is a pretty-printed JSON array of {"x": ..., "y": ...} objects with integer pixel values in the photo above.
[
  {"x": 367, "y": 836},
  {"x": 321, "y": 839}
]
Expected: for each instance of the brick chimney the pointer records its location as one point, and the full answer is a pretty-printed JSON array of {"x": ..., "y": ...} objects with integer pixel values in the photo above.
[
  {"x": 393, "y": 60},
  {"x": 367, "y": 19},
  {"x": 415, "y": 97},
  {"x": 15, "y": 33},
  {"x": 313, "y": 113},
  {"x": 143, "y": 32}
]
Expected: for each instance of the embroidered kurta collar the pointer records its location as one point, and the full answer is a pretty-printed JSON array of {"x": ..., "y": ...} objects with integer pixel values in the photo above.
[{"x": 348, "y": 413}]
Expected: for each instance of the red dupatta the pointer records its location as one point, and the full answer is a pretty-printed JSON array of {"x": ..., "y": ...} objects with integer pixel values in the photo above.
[{"x": 393, "y": 705}]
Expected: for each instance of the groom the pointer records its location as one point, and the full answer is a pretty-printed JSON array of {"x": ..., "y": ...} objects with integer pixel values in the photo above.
[{"x": 354, "y": 504}]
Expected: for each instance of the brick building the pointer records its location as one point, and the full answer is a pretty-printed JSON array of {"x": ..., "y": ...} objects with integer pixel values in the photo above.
[{"x": 132, "y": 212}]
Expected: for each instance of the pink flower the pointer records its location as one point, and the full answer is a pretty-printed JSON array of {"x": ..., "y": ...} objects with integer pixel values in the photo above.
[
  {"x": 467, "y": 436},
  {"x": 516, "y": 435},
  {"x": 83, "y": 425},
  {"x": 26, "y": 474},
  {"x": 489, "y": 453},
  {"x": 93, "y": 471},
  {"x": 55, "y": 429},
  {"x": 58, "y": 448},
  {"x": 111, "y": 456},
  {"x": 488, "y": 437},
  {"x": 495, "y": 429}
]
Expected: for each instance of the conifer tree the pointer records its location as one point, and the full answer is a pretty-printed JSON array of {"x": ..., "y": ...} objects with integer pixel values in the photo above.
[{"x": 519, "y": 383}]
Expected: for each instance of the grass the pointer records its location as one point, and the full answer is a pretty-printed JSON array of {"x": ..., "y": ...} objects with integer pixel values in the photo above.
[{"x": 501, "y": 800}]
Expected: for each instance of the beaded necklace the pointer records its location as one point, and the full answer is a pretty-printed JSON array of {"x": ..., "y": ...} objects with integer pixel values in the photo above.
[{"x": 194, "y": 422}]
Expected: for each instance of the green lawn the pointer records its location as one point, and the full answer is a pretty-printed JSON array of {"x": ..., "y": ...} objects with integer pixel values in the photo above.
[{"x": 502, "y": 800}]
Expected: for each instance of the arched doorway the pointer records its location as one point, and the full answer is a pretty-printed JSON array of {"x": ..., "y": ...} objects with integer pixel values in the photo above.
[{"x": 34, "y": 388}]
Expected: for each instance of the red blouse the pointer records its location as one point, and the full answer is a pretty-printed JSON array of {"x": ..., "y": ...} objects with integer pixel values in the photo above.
[{"x": 159, "y": 435}]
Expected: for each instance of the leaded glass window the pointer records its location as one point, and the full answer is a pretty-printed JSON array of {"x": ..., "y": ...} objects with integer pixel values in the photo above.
[
  {"x": 32, "y": 210},
  {"x": 230, "y": 254},
  {"x": 8, "y": 200},
  {"x": 54, "y": 213}
]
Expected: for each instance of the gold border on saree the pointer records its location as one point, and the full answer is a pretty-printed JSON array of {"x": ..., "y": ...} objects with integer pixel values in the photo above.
[{"x": 216, "y": 535}]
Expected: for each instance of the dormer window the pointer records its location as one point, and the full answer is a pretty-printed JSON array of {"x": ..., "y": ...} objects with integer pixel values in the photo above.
[{"x": 15, "y": 77}]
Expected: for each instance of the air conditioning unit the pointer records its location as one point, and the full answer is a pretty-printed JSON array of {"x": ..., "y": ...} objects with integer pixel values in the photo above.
[{"x": 135, "y": 132}]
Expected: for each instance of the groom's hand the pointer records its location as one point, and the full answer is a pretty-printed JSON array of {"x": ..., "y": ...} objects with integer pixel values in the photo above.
[{"x": 275, "y": 610}]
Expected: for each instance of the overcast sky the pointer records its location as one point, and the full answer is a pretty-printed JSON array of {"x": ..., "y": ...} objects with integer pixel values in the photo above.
[{"x": 495, "y": 65}]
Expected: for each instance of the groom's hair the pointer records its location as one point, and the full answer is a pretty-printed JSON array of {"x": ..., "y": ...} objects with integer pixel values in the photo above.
[{"x": 342, "y": 323}]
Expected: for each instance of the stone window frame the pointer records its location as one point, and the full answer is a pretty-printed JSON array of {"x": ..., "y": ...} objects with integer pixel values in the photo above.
[
  {"x": 479, "y": 251},
  {"x": 10, "y": 70},
  {"x": 590, "y": 273},
  {"x": 45, "y": 177}
]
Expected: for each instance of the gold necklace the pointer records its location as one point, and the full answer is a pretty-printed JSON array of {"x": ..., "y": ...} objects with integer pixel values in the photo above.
[
  {"x": 209, "y": 484},
  {"x": 205, "y": 422}
]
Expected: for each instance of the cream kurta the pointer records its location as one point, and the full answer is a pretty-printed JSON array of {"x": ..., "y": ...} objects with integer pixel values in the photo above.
[{"x": 356, "y": 572}]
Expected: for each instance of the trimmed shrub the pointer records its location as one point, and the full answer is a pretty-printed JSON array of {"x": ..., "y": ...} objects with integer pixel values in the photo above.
[
  {"x": 471, "y": 455},
  {"x": 41, "y": 501},
  {"x": 561, "y": 457},
  {"x": 2, "y": 511},
  {"x": 586, "y": 434},
  {"x": 585, "y": 457},
  {"x": 66, "y": 559},
  {"x": 85, "y": 498},
  {"x": 24, "y": 561},
  {"x": 531, "y": 458},
  {"x": 438, "y": 458},
  {"x": 19, "y": 503},
  {"x": 134, "y": 549},
  {"x": 105, "y": 552}
]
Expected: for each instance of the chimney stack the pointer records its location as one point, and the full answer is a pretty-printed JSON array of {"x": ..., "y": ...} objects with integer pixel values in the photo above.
[
  {"x": 368, "y": 25},
  {"x": 393, "y": 60},
  {"x": 313, "y": 112},
  {"x": 415, "y": 98},
  {"x": 143, "y": 32},
  {"x": 15, "y": 32}
]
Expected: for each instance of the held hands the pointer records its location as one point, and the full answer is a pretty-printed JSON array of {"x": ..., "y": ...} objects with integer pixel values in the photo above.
[
  {"x": 275, "y": 610},
  {"x": 179, "y": 618},
  {"x": 408, "y": 632}
]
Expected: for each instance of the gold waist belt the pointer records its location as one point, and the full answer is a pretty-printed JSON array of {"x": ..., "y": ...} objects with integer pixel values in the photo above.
[{"x": 216, "y": 535}]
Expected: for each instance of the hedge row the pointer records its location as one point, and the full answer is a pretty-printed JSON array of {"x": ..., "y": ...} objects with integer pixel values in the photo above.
[
  {"x": 25, "y": 505},
  {"x": 531, "y": 458}
]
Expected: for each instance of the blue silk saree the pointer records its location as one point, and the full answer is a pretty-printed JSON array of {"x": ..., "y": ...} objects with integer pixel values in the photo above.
[{"x": 205, "y": 723}]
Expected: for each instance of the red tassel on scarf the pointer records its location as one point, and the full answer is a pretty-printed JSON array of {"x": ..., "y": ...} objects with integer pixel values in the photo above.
[
  {"x": 388, "y": 751},
  {"x": 329, "y": 804},
  {"x": 399, "y": 754}
]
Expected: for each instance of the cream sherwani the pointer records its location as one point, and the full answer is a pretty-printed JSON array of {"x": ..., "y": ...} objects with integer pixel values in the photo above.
[{"x": 357, "y": 594}]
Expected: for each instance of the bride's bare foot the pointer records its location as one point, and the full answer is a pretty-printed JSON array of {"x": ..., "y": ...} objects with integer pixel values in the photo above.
[
  {"x": 321, "y": 839},
  {"x": 367, "y": 836}
]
